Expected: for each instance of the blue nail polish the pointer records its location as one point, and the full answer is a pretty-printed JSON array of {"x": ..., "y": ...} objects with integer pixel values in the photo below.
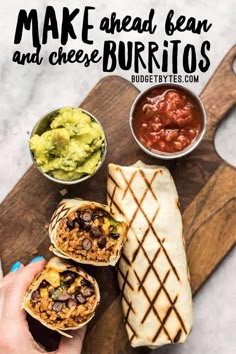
[
  {"x": 36, "y": 259},
  {"x": 15, "y": 267}
]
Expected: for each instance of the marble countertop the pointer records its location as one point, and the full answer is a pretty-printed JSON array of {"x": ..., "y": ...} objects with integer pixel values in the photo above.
[{"x": 27, "y": 92}]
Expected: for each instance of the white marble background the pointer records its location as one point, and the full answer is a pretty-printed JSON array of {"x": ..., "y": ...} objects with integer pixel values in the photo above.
[{"x": 27, "y": 92}]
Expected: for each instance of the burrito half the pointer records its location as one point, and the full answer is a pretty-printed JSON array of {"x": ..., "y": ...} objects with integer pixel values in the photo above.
[
  {"x": 62, "y": 297},
  {"x": 87, "y": 232},
  {"x": 153, "y": 274}
]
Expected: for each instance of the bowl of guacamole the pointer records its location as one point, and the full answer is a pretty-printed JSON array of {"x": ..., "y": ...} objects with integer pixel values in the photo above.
[{"x": 68, "y": 145}]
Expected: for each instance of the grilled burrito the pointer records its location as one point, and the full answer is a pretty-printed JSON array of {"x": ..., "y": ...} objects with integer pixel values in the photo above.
[
  {"x": 87, "y": 232},
  {"x": 62, "y": 297},
  {"x": 152, "y": 272}
]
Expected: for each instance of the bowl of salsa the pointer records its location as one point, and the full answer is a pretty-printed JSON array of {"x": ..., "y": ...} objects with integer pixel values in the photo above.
[{"x": 168, "y": 121}]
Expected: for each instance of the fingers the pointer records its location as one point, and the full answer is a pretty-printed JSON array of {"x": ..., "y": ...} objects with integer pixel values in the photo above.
[
  {"x": 9, "y": 277},
  {"x": 14, "y": 287},
  {"x": 4, "y": 282},
  {"x": 72, "y": 346}
]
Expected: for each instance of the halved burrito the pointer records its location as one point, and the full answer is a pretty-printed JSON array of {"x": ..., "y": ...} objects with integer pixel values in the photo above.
[
  {"x": 62, "y": 297},
  {"x": 87, "y": 232},
  {"x": 152, "y": 272}
]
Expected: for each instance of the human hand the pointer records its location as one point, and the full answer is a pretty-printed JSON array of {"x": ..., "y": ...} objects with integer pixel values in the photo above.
[{"x": 15, "y": 336}]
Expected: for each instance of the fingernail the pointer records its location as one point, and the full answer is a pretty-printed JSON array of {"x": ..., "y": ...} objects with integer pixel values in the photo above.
[
  {"x": 15, "y": 267},
  {"x": 36, "y": 259}
]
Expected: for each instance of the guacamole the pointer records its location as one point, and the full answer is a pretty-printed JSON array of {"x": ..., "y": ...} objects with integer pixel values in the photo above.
[{"x": 71, "y": 148}]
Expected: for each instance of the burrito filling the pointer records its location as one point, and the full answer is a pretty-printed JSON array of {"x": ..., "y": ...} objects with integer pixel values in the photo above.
[
  {"x": 63, "y": 300},
  {"x": 89, "y": 233}
]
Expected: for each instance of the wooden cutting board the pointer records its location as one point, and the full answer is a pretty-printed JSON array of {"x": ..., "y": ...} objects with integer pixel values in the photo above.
[{"x": 206, "y": 186}]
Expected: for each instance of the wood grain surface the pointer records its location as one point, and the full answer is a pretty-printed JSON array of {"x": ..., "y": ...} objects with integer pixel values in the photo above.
[{"x": 205, "y": 183}]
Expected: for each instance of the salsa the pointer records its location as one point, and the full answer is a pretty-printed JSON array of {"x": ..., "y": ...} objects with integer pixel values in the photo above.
[{"x": 167, "y": 119}]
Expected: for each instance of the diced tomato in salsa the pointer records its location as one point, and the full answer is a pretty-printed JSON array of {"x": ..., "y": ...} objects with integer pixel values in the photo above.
[{"x": 167, "y": 120}]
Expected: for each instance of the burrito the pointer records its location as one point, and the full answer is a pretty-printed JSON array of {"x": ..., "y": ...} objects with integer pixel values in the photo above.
[
  {"x": 87, "y": 232},
  {"x": 152, "y": 273},
  {"x": 62, "y": 297}
]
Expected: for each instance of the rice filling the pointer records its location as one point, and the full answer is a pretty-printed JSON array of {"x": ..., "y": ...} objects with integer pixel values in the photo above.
[
  {"x": 63, "y": 299},
  {"x": 90, "y": 233}
]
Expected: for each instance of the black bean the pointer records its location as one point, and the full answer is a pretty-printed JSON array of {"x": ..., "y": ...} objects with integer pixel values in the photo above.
[
  {"x": 85, "y": 282},
  {"x": 102, "y": 243},
  {"x": 71, "y": 303},
  {"x": 44, "y": 284},
  {"x": 97, "y": 213},
  {"x": 96, "y": 232},
  {"x": 35, "y": 295},
  {"x": 51, "y": 291},
  {"x": 86, "y": 244},
  {"x": 63, "y": 297},
  {"x": 94, "y": 217},
  {"x": 79, "y": 319},
  {"x": 80, "y": 298},
  {"x": 86, "y": 215},
  {"x": 71, "y": 224},
  {"x": 84, "y": 225},
  {"x": 87, "y": 291},
  {"x": 114, "y": 235},
  {"x": 57, "y": 306},
  {"x": 69, "y": 277}
]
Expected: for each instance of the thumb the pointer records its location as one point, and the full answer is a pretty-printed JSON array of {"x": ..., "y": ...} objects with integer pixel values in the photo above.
[
  {"x": 14, "y": 287},
  {"x": 72, "y": 345}
]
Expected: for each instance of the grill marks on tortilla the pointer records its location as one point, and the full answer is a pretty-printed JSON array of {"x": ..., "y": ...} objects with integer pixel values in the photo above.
[
  {"x": 153, "y": 309},
  {"x": 58, "y": 215},
  {"x": 126, "y": 281},
  {"x": 163, "y": 323},
  {"x": 111, "y": 197},
  {"x": 129, "y": 262},
  {"x": 150, "y": 266},
  {"x": 134, "y": 334},
  {"x": 162, "y": 287},
  {"x": 139, "y": 207},
  {"x": 155, "y": 297},
  {"x": 178, "y": 336},
  {"x": 129, "y": 303}
]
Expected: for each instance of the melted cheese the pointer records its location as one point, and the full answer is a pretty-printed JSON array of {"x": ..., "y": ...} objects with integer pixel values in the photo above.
[
  {"x": 43, "y": 293},
  {"x": 53, "y": 277},
  {"x": 74, "y": 285}
]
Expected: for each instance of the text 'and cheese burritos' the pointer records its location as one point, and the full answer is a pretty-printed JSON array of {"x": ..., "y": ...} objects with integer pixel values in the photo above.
[
  {"x": 62, "y": 297},
  {"x": 87, "y": 232},
  {"x": 152, "y": 272}
]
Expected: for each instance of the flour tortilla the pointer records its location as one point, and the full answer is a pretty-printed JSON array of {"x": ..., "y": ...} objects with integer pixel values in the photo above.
[
  {"x": 61, "y": 266},
  {"x": 153, "y": 274},
  {"x": 69, "y": 205}
]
